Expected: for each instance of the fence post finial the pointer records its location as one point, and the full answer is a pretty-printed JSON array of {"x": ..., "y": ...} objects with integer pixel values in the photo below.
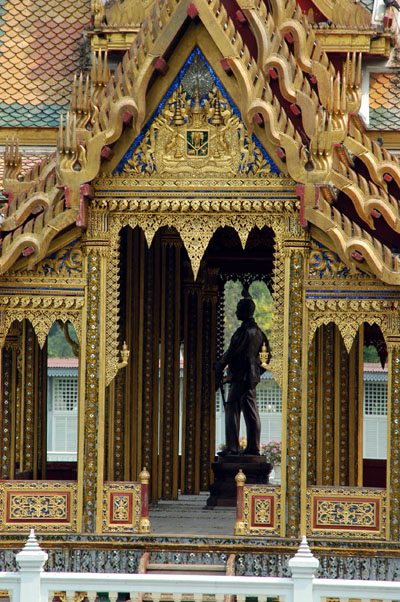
[
  {"x": 30, "y": 561},
  {"x": 303, "y": 566}
]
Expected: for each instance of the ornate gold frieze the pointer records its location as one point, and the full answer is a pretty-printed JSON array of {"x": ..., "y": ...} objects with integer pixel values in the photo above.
[
  {"x": 205, "y": 202},
  {"x": 48, "y": 506},
  {"x": 43, "y": 316},
  {"x": 346, "y": 512},
  {"x": 121, "y": 507},
  {"x": 261, "y": 510},
  {"x": 348, "y": 322}
]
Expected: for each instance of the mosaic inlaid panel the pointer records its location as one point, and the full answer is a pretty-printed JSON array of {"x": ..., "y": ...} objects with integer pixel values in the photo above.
[
  {"x": 261, "y": 509},
  {"x": 46, "y": 505},
  {"x": 122, "y": 507},
  {"x": 350, "y": 512}
]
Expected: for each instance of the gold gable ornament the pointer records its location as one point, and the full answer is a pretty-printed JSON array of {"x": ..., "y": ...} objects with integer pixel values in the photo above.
[{"x": 189, "y": 137}]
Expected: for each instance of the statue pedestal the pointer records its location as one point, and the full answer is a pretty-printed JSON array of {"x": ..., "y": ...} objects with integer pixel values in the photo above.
[{"x": 223, "y": 490}]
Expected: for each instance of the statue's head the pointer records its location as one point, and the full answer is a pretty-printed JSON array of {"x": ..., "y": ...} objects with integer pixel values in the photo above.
[{"x": 245, "y": 308}]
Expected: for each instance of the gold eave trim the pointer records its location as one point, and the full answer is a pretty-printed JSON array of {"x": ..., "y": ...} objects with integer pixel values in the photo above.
[
  {"x": 30, "y": 136},
  {"x": 335, "y": 40},
  {"x": 112, "y": 39}
]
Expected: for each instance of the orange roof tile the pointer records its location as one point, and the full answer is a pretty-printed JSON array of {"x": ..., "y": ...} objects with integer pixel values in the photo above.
[
  {"x": 384, "y": 101},
  {"x": 39, "y": 55}
]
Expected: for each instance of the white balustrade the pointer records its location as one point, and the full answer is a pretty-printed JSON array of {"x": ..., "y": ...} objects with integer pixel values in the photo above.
[{"x": 32, "y": 584}]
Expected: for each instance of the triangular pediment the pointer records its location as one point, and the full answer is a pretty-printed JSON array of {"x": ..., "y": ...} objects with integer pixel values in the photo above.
[{"x": 196, "y": 131}]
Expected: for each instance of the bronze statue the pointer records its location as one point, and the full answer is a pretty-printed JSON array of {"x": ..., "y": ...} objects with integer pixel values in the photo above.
[{"x": 244, "y": 371}]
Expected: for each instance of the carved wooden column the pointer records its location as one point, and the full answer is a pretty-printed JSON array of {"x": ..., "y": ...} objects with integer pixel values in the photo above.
[
  {"x": 148, "y": 357},
  {"x": 208, "y": 357},
  {"x": 192, "y": 328},
  {"x": 334, "y": 389},
  {"x": 311, "y": 414},
  {"x": 393, "y": 455},
  {"x": 33, "y": 410},
  {"x": 9, "y": 376},
  {"x": 294, "y": 389},
  {"x": 170, "y": 365},
  {"x": 91, "y": 422},
  {"x": 325, "y": 403}
]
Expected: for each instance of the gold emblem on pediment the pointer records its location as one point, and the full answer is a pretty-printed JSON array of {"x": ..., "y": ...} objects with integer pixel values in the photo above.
[{"x": 197, "y": 136}]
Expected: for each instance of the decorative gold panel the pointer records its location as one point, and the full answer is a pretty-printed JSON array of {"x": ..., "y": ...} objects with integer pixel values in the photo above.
[
  {"x": 121, "y": 507},
  {"x": 46, "y": 505},
  {"x": 261, "y": 510},
  {"x": 346, "y": 512}
]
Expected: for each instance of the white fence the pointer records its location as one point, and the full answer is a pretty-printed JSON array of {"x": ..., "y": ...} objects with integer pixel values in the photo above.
[{"x": 32, "y": 584}]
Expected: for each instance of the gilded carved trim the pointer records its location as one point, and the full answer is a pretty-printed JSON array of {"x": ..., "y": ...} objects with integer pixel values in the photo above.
[
  {"x": 112, "y": 304},
  {"x": 348, "y": 315},
  {"x": 353, "y": 512},
  {"x": 261, "y": 510},
  {"x": 48, "y": 311},
  {"x": 121, "y": 507},
  {"x": 49, "y": 506}
]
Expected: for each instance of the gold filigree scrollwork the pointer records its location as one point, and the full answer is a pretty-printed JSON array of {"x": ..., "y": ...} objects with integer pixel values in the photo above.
[
  {"x": 121, "y": 507},
  {"x": 357, "y": 513},
  {"x": 112, "y": 304},
  {"x": 49, "y": 506},
  {"x": 261, "y": 510},
  {"x": 65, "y": 263},
  {"x": 327, "y": 264}
]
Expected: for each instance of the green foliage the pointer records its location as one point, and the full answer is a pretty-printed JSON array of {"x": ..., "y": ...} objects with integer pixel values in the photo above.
[
  {"x": 370, "y": 354},
  {"x": 261, "y": 297},
  {"x": 57, "y": 346}
]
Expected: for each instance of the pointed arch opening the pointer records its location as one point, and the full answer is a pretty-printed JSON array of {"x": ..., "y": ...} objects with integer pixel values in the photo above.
[{"x": 62, "y": 349}]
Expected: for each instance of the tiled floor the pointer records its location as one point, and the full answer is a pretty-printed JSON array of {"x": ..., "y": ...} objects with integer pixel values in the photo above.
[{"x": 188, "y": 516}]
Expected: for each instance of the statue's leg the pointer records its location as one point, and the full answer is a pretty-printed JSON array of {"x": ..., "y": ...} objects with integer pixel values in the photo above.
[
  {"x": 232, "y": 418},
  {"x": 252, "y": 420}
]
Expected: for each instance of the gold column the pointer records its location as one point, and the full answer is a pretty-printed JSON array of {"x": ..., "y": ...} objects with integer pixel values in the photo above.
[
  {"x": 208, "y": 357},
  {"x": 393, "y": 449},
  {"x": 190, "y": 478},
  {"x": 294, "y": 380},
  {"x": 170, "y": 365},
  {"x": 91, "y": 445},
  {"x": 292, "y": 389}
]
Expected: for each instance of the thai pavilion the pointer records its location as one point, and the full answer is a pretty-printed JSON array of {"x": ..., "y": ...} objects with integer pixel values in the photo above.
[{"x": 153, "y": 151}]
